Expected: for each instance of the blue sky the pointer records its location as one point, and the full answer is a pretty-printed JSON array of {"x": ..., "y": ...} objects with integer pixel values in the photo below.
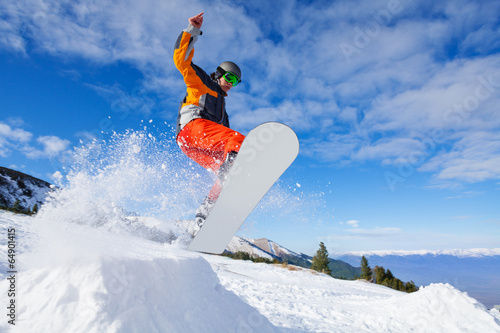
[{"x": 396, "y": 104}]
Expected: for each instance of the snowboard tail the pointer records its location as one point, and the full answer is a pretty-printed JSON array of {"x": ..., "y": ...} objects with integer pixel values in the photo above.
[{"x": 267, "y": 151}]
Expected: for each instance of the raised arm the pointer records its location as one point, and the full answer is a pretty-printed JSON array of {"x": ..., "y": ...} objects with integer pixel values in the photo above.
[
  {"x": 197, "y": 20},
  {"x": 183, "y": 52}
]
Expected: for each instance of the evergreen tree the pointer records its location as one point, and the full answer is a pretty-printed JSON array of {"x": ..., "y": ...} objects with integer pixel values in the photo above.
[
  {"x": 35, "y": 209},
  {"x": 366, "y": 271},
  {"x": 389, "y": 276},
  {"x": 320, "y": 260},
  {"x": 386, "y": 278},
  {"x": 379, "y": 274},
  {"x": 411, "y": 287},
  {"x": 397, "y": 284},
  {"x": 17, "y": 206},
  {"x": 241, "y": 255}
]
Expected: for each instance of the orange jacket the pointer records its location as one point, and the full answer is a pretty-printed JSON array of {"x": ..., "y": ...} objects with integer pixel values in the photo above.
[{"x": 204, "y": 98}]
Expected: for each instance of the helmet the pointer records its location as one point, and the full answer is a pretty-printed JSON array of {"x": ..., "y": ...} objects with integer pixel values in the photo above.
[{"x": 229, "y": 66}]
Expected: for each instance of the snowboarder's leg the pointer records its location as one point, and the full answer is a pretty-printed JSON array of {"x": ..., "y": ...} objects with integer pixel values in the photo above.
[
  {"x": 214, "y": 147},
  {"x": 202, "y": 212},
  {"x": 208, "y": 203}
]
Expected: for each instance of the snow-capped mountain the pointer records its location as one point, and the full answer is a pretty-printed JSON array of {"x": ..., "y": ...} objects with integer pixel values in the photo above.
[
  {"x": 462, "y": 253},
  {"x": 243, "y": 244},
  {"x": 15, "y": 185},
  {"x": 266, "y": 248},
  {"x": 474, "y": 271}
]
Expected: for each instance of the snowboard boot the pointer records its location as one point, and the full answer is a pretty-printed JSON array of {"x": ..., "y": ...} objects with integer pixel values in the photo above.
[
  {"x": 226, "y": 166},
  {"x": 202, "y": 213}
]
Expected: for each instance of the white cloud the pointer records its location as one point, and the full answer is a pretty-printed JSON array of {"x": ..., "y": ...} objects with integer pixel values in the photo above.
[
  {"x": 14, "y": 134},
  {"x": 353, "y": 223},
  {"x": 388, "y": 150},
  {"x": 475, "y": 157},
  {"x": 17, "y": 139},
  {"x": 10, "y": 138},
  {"x": 9, "y": 37},
  {"x": 140, "y": 32},
  {"x": 52, "y": 147},
  {"x": 462, "y": 95}
]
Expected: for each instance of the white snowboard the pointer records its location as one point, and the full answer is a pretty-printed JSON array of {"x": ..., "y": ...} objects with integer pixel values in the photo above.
[{"x": 267, "y": 151}]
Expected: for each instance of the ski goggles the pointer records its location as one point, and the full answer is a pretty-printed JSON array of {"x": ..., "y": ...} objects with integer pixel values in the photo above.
[{"x": 231, "y": 78}]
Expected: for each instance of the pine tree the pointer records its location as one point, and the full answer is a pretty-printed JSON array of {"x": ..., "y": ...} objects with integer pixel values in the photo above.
[
  {"x": 389, "y": 280},
  {"x": 379, "y": 274},
  {"x": 320, "y": 261},
  {"x": 411, "y": 287},
  {"x": 17, "y": 206},
  {"x": 241, "y": 255},
  {"x": 35, "y": 209},
  {"x": 397, "y": 284},
  {"x": 366, "y": 271}
]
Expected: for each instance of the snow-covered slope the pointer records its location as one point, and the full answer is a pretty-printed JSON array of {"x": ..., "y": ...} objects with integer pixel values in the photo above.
[
  {"x": 170, "y": 293},
  {"x": 311, "y": 302},
  {"x": 15, "y": 185},
  {"x": 77, "y": 278}
]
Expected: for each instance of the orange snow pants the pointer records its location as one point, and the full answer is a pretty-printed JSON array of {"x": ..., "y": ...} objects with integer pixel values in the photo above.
[{"x": 208, "y": 143}]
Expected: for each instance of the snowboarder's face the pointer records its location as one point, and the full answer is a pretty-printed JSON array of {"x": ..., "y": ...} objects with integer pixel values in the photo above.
[{"x": 226, "y": 86}]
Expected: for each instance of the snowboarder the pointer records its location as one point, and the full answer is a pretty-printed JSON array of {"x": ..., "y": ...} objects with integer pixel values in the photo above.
[{"x": 203, "y": 132}]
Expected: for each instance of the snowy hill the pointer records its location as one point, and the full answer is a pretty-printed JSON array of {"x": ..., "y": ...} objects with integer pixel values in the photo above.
[
  {"x": 15, "y": 185},
  {"x": 474, "y": 271},
  {"x": 72, "y": 277}
]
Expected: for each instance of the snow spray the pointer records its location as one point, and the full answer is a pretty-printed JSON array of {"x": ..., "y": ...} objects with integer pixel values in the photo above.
[{"x": 140, "y": 183}]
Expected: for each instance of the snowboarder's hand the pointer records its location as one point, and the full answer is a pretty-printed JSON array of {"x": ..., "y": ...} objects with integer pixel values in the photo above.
[{"x": 197, "y": 20}]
